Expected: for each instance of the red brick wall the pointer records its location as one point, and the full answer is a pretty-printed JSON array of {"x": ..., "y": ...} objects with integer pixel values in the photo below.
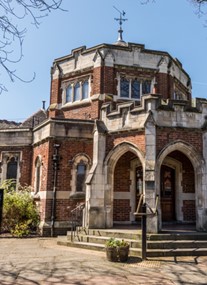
[
  {"x": 54, "y": 92},
  {"x": 83, "y": 112},
  {"x": 121, "y": 210},
  {"x": 121, "y": 207},
  {"x": 68, "y": 149},
  {"x": 167, "y": 135},
  {"x": 42, "y": 150},
  {"x": 188, "y": 175},
  {"x": 189, "y": 211},
  {"x": 25, "y": 167},
  {"x": 109, "y": 80},
  {"x": 137, "y": 138}
]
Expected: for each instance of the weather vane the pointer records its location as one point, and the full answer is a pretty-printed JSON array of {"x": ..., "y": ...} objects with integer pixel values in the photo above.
[{"x": 121, "y": 19}]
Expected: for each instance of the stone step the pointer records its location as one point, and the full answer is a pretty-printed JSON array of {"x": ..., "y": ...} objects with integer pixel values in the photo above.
[
  {"x": 177, "y": 236},
  {"x": 93, "y": 246},
  {"x": 177, "y": 252},
  {"x": 161, "y": 244},
  {"x": 177, "y": 244},
  {"x": 109, "y": 233},
  {"x": 103, "y": 239},
  {"x": 137, "y": 251},
  {"x": 137, "y": 235}
]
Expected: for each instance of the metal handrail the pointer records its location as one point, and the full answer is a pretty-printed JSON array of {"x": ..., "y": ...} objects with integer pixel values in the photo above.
[
  {"x": 152, "y": 212},
  {"x": 76, "y": 215}
]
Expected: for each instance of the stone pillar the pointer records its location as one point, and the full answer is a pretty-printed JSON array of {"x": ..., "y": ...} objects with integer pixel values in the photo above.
[
  {"x": 95, "y": 205},
  {"x": 149, "y": 177},
  {"x": 201, "y": 185}
]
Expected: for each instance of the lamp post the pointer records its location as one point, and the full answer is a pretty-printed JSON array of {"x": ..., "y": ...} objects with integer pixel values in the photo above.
[{"x": 55, "y": 159}]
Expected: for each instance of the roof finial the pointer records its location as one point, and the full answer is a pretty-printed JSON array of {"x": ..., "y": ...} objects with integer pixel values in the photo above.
[{"x": 120, "y": 31}]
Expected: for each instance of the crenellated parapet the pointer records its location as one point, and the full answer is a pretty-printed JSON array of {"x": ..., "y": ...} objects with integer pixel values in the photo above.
[{"x": 165, "y": 113}]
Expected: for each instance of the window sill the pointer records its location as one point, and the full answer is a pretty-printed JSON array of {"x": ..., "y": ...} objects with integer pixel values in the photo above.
[
  {"x": 77, "y": 196},
  {"x": 75, "y": 104}
]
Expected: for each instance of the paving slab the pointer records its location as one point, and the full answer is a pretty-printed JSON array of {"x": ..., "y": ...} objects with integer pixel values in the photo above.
[{"x": 40, "y": 261}]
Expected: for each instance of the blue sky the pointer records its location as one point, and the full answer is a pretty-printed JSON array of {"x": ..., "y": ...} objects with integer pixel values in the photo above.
[{"x": 167, "y": 25}]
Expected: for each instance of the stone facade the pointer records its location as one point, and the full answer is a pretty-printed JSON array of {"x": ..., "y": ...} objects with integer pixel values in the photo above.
[{"x": 123, "y": 123}]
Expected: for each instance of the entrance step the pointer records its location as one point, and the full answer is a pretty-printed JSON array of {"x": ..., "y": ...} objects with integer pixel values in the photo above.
[{"x": 170, "y": 244}]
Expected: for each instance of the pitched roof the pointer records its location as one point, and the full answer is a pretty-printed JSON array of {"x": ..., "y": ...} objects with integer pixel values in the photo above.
[
  {"x": 35, "y": 119},
  {"x": 4, "y": 124}
]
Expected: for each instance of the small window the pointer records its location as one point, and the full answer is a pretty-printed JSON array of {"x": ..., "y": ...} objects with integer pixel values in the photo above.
[
  {"x": 80, "y": 178},
  {"x": 146, "y": 87},
  {"x": 85, "y": 90},
  {"x": 12, "y": 169},
  {"x": 124, "y": 88},
  {"x": 135, "y": 89},
  {"x": 37, "y": 174},
  {"x": 69, "y": 93},
  {"x": 77, "y": 92}
]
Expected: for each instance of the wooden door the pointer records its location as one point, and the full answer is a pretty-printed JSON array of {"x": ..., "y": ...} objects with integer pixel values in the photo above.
[{"x": 167, "y": 193}]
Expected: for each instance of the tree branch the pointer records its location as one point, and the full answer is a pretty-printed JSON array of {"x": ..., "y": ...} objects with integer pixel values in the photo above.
[{"x": 12, "y": 14}]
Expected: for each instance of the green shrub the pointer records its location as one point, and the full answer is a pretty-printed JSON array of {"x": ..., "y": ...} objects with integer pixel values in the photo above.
[{"x": 20, "y": 215}]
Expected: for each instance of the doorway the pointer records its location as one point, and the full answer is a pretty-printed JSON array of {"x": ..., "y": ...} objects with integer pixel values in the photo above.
[{"x": 167, "y": 193}]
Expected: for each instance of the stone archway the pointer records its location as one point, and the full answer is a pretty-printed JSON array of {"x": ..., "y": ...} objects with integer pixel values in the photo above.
[
  {"x": 184, "y": 198},
  {"x": 123, "y": 197}
]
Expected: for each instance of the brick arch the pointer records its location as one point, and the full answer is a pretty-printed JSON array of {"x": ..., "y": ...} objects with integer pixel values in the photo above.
[
  {"x": 109, "y": 169},
  {"x": 187, "y": 149},
  {"x": 195, "y": 158},
  {"x": 117, "y": 152}
]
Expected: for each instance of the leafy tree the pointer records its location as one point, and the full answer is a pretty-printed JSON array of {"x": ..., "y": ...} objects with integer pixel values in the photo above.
[
  {"x": 13, "y": 30},
  {"x": 20, "y": 215}
]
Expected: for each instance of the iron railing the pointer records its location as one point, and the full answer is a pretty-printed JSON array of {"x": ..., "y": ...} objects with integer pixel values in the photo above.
[{"x": 76, "y": 216}]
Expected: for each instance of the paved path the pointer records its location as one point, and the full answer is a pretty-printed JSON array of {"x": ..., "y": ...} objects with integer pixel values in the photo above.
[{"x": 40, "y": 261}]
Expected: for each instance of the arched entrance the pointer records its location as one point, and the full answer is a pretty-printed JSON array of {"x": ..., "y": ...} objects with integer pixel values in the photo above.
[
  {"x": 127, "y": 188},
  {"x": 124, "y": 167},
  {"x": 179, "y": 182}
]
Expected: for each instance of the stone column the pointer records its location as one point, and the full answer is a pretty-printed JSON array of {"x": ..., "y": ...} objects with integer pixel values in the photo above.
[
  {"x": 95, "y": 210},
  {"x": 149, "y": 178}
]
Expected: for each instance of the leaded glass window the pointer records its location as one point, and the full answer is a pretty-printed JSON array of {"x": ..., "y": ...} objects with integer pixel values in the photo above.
[
  {"x": 146, "y": 87},
  {"x": 135, "y": 91},
  {"x": 124, "y": 88}
]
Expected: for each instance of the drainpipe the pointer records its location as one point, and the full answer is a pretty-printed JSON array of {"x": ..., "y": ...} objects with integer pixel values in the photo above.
[{"x": 55, "y": 159}]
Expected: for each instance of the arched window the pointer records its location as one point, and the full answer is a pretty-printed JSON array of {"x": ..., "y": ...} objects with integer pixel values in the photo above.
[
  {"x": 11, "y": 168},
  {"x": 69, "y": 93},
  {"x": 80, "y": 166},
  {"x": 80, "y": 176},
  {"x": 85, "y": 90},
  {"x": 77, "y": 92},
  {"x": 38, "y": 168}
]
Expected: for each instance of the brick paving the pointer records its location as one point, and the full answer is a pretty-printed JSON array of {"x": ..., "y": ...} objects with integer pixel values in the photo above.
[{"x": 40, "y": 261}]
